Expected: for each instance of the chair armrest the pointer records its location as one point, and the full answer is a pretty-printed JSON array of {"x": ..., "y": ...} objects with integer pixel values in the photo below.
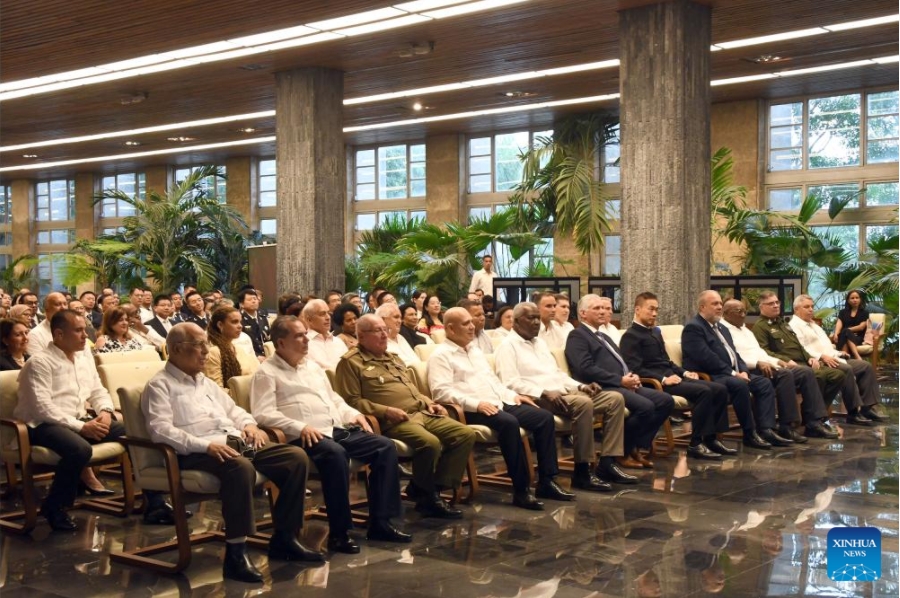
[
  {"x": 373, "y": 423},
  {"x": 652, "y": 382},
  {"x": 169, "y": 456},
  {"x": 455, "y": 411},
  {"x": 704, "y": 376},
  {"x": 21, "y": 431},
  {"x": 275, "y": 434}
]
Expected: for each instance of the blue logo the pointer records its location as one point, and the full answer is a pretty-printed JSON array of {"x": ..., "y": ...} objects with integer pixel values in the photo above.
[{"x": 854, "y": 554}]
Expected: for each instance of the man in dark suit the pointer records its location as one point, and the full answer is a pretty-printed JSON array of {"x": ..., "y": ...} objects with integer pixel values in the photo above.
[
  {"x": 707, "y": 346},
  {"x": 594, "y": 357},
  {"x": 162, "y": 310},
  {"x": 644, "y": 351},
  {"x": 255, "y": 325}
]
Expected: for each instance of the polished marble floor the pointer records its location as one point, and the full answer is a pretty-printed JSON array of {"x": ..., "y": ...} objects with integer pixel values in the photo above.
[{"x": 752, "y": 526}]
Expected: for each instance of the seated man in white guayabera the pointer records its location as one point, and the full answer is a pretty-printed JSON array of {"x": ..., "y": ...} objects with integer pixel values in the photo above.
[
  {"x": 860, "y": 376},
  {"x": 292, "y": 393},
  {"x": 209, "y": 432},
  {"x": 524, "y": 363}
]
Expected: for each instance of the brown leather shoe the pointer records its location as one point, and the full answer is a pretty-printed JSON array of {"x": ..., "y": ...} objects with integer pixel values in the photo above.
[
  {"x": 640, "y": 458},
  {"x": 629, "y": 463}
]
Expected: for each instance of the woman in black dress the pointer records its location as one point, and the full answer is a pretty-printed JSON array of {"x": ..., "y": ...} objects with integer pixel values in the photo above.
[
  {"x": 13, "y": 340},
  {"x": 850, "y": 330}
]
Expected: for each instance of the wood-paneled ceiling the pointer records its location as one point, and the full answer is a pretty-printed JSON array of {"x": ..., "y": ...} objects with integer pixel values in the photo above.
[{"x": 43, "y": 37}]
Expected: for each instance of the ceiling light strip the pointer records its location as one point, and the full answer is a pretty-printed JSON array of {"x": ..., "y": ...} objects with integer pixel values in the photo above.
[
  {"x": 142, "y": 131},
  {"x": 483, "y": 82},
  {"x": 448, "y": 87},
  {"x": 116, "y": 157},
  {"x": 370, "y": 21},
  {"x": 476, "y": 113}
]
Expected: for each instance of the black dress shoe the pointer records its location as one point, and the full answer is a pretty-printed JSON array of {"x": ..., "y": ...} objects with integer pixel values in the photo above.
[
  {"x": 404, "y": 472},
  {"x": 858, "y": 419},
  {"x": 873, "y": 414},
  {"x": 162, "y": 514},
  {"x": 343, "y": 543},
  {"x": 284, "y": 547},
  {"x": 817, "y": 430},
  {"x": 701, "y": 451},
  {"x": 551, "y": 490},
  {"x": 590, "y": 482},
  {"x": 386, "y": 532},
  {"x": 613, "y": 474},
  {"x": 794, "y": 435},
  {"x": 435, "y": 506},
  {"x": 526, "y": 500},
  {"x": 774, "y": 439},
  {"x": 59, "y": 520},
  {"x": 716, "y": 446},
  {"x": 238, "y": 566},
  {"x": 752, "y": 440}
]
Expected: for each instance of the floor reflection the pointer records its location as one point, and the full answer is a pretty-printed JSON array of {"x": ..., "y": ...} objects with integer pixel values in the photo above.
[{"x": 752, "y": 526}]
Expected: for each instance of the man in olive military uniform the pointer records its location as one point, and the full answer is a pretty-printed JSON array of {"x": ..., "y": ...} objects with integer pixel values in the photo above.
[
  {"x": 375, "y": 382},
  {"x": 777, "y": 339},
  {"x": 255, "y": 325}
]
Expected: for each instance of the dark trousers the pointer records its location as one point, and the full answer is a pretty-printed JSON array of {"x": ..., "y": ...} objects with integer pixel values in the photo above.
[
  {"x": 285, "y": 465},
  {"x": 812, "y": 406},
  {"x": 332, "y": 460},
  {"x": 648, "y": 409},
  {"x": 860, "y": 384},
  {"x": 758, "y": 413},
  {"x": 506, "y": 424},
  {"x": 74, "y": 452},
  {"x": 709, "y": 406},
  {"x": 785, "y": 396}
]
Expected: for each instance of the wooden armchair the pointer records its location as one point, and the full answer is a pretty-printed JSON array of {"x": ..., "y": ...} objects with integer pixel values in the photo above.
[
  {"x": 156, "y": 468},
  {"x": 240, "y": 392},
  {"x": 24, "y": 464}
]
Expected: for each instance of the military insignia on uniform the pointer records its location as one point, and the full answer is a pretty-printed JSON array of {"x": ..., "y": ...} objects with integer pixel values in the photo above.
[
  {"x": 370, "y": 368},
  {"x": 381, "y": 379}
]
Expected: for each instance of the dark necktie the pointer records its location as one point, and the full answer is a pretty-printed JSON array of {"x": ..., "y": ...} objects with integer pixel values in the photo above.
[{"x": 608, "y": 343}]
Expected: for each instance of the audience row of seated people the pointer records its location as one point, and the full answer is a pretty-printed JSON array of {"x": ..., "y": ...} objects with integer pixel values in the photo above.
[{"x": 187, "y": 407}]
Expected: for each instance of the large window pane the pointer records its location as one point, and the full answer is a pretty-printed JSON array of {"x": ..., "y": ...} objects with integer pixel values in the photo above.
[
  {"x": 612, "y": 151},
  {"x": 786, "y": 136},
  {"x": 785, "y": 199},
  {"x": 612, "y": 255},
  {"x": 882, "y": 194},
  {"x": 5, "y": 205},
  {"x": 882, "y": 127},
  {"x": 841, "y": 192},
  {"x": 507, "y": 166},
  {"x": 268, "y": 184},
  {"x": 880, "y": 230},
  {"x": 131, "y": 184},
  {"x": 479, "y": 213},
  {"x": 392, "y": 174},
  {"x": 210, "y": 186},
  {"x": 833, "y": 138},
  {"x": 365, "y": 221},
  {"x": 846, "y": 235}
]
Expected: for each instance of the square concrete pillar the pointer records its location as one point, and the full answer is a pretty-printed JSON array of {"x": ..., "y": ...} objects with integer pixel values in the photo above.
[
  {"x": 445, "y": 163},
  {"x": 241, "y": 186},
  {"x": 311, "y": 180},
  {"x": 23, "y": 222},
  {"x": 665, "y": 130}
]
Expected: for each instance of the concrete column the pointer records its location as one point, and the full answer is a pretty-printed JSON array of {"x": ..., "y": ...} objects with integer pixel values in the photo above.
[
  {"x": 241, "y": 187},
  {"x": 23, "y": 221},
  {"x": 86, "y": 213},
  {"x": 159, "y": 178},
  {"x": 665, "y": 116},
  {"x": 311, "y": 180},
  {"x": 736, "y": 125},
  {"x": 445, "y": 164}
]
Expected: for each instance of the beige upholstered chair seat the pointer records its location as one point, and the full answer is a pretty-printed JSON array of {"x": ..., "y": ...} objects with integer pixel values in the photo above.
[
  {"x": 146, "y": 354},
  {"x": 120, "y": 375}
]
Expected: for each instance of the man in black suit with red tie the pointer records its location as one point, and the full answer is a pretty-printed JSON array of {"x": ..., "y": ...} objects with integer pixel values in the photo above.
[
  {"x": 594, "y": 357},
  {"x": 644, "y": 351},
  {"x": 706, "y": 346}
]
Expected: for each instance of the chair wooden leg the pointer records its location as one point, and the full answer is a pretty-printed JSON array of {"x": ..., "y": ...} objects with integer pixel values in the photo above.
[{"x": 22, "y": 522}]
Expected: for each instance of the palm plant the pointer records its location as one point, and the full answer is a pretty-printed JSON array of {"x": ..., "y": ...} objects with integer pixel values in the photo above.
[
  {"x": 405, "y": 255},
  {"x": 560, "y": 190},
  {"x": 177, "y": 237},
  {"x": 19, "y": 273}
]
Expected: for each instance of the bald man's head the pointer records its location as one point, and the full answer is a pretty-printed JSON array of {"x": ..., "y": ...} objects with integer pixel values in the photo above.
[{"x": 459, "y": 326}]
